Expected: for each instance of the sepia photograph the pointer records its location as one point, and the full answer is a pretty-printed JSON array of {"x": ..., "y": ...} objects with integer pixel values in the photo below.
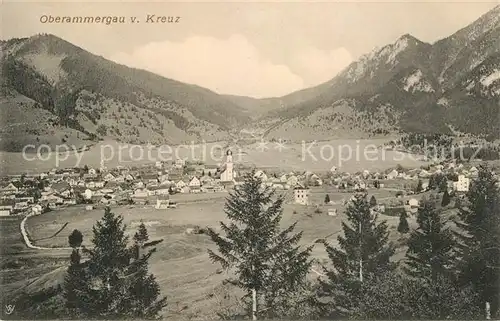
[{"x": 276, "y": 160}]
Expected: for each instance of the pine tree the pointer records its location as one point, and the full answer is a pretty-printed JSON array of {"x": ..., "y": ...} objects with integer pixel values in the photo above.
[
  {"x": 446, "y": 199},
  {"x": 419, "y": 187},
  {"x": 144, "y": 289},
  {"x": 76, "y": 284},
  {"x": 75, "y": 239},
  {"x": 373, "y": 201},
  {"x": 443, "y": 184},
  {"x": 480, "y": 239},
  {"x": 267, "y": 261},
  {"x": 327, "y": 199},
  {"x": 141, "y": 236},
  {"x": 431, "y": 246},
  {"x": 403, "y": 226},
  {"x": 364, "y": 252},
  {"x": 115, "y": 281}
]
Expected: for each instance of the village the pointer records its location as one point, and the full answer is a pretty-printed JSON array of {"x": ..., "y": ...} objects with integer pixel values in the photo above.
[{"x": 161, "y": 185}]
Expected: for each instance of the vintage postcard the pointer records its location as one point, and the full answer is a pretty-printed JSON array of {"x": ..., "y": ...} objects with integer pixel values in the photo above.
[{"x": 302, "y": 160}]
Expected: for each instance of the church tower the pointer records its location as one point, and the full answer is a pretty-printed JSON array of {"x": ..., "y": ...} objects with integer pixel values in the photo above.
[{"x": 228, "y": 175}]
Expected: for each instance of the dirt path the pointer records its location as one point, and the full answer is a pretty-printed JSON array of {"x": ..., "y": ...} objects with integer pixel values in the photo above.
[{"x": 28, "y": 242}]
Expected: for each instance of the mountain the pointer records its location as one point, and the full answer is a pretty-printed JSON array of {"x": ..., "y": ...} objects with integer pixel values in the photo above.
[
  {"x": 82, "y": 96},
  {"x": 408, "y": 85},
  {"x": 54, "y": 92}
]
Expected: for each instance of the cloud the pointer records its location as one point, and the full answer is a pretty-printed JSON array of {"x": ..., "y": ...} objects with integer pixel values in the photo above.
[
  {"x": 228, "y": 66},
  {"x": 318, "y": 66}
]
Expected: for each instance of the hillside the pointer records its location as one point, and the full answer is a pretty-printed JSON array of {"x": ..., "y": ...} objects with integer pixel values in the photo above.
[
  {"x": 408, "y": 86},
  {"x": 99, "y": 98}
]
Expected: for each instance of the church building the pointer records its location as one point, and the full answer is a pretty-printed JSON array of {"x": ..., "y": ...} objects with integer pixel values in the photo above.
[{"x": 227, "y": 170}]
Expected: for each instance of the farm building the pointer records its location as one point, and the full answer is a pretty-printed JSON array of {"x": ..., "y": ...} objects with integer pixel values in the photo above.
[
  {"x": 462, "y": 185},
  {"x": 301, "y": 195},
  {"x": 162, "y": 202},
  {"x": 332, "y": 212}
]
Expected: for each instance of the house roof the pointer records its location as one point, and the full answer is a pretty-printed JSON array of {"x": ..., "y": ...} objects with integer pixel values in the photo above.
[
  {"x": 299, "y": 186},
  {"x": 60, "y": 186},
  {"x": 155, "y": 188}
]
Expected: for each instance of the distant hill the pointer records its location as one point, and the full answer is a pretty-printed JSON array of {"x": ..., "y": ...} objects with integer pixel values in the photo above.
[{"x": 99, "y": 98}]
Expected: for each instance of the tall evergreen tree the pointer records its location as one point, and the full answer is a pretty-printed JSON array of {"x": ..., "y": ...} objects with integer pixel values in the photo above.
[
  {"x": 443, "y": 184},
  {"x": 403, "y": 226},
  {"x": 480, "y": 239},
  {"x": 141, "y": 236},
  {"x": 431, "y": 246},
  {"x": 76, "y": 282},
  {"x": 419, "y": 187},
  {"x": 364, "y": 252},
  {"x": 114, "y": 279},
  {"x": 75, "y": 239},
  {"x": 143, "y": 287},
  {"x": 268, "y": 263},
  {"x": 327, "y": 199},
  {"x": 373, "y": 201}
]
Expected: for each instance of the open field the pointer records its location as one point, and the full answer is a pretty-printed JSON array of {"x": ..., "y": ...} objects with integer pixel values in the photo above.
[
  {"x": 181, "y": 263},
  {"x": 348, "y": 155}
]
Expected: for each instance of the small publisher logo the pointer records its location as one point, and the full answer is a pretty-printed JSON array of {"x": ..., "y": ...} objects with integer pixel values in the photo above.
[{"x": 9, "y": 309}]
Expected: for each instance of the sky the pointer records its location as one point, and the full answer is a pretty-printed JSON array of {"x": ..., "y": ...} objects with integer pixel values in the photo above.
[{"x": 256, "y": 49}]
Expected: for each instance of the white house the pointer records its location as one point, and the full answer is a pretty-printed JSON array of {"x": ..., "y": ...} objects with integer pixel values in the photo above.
[
  {"x": 141, "y": 192},
  {"x": 292, "y": 180},
  {"x": 316, "y": 180},
  {"x": 462, "y": 185},
  {"x": 411, "y": 206},
  {"x": 260, "y": 174},
  {"x": 180, "y": 184},
  {"x": 109, "y": 177},
  {"x": 180, "y": 163},
  {"x": 332, "y": 212},
  {"x": 301, "y": 195},
  {"x": 162, "y": 202},
  {"x": 393, "y": 174},
  {"x": 206, "y": 180},
  {"x": 88, "y": 194},
  {"x": 194, "y": 182},
  {"x": 5, "y": 210},
  {"x": 36, "y": 209}
]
